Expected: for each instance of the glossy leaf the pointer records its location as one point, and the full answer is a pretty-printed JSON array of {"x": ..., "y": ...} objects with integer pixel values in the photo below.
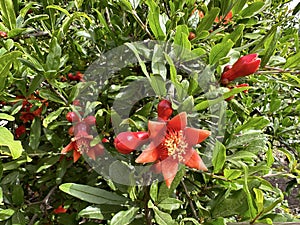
[
  {"x": 219, "y": 156},
  {"x": 6, "y": 139},
  {"x": 219, "y": 51},
  {"x": 124, "y": 217}
]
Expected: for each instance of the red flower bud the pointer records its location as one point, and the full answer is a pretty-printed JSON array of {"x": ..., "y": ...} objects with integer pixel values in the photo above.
[
  {"x": 126, "y": 142},
  {"x": 164, "y": 109},
  {"x": 105, "y": 140},
  {"x": 243, "y": 85},
  {"x": 77, "y": 102},
  {"x": 59, "y": 209},
  {"x": 90, "y": 120},
  {"x": 80, "y": 128},
  {"x": 191, "y": 36},
  {"x": 244, "y": 66},
  {"x": 72, "y": 117},
  {"x": 3, "y": 34},
  {"x": 71, "y": 131}
]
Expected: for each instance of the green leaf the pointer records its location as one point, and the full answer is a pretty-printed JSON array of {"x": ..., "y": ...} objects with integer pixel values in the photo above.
[
  {"x": 18, "y": 218},
  {"x": 235, "y": 34},
  {"x": 275, "y": 104},
  {"x": 92, "y": 194},
  {"x": 59, "y": 9},
  {"x": 53, "y": 116},
  {"x": 5, "y": 214},
  {"x": 35, "y": 133},
  {"x": 35, "y": 84},
  {"x": 53, "y": 58},
  {"x": 49, "y": 95},
  {"x": 158, "y": 63},
  {"x": 91, "y": 212},
  {"x": 17, "y": 195},
  {"x": 5, "y": 62},
  {"x": 162, "y": 218},
  {"x": 8, "y": 13},
  {"x": 271, "y": 47},
  {"x": 170, "y": 204},
  {"x": 252, "y": 9},
  {"x": 232, "y": 174},
  {"x": 259, "y": 199},
  {"x": 219, "y": 156},
  {"x": 194, "y": 221},
  {"x": 124, "y": 217},
  {"x": 7, "y": 139},
  {"x": 154, "y": 20},
  {"x": 239, "y": 5},
  {"x": 4, "y": 116},
  {"x": 219, "y": 51},
  {"x": 121, "y": 173},
  {"x": 158, "y": 85},
  {"x": 181, "y": 39},
  {"x": 293, "y": 61},
  {"x": 208, "y": 20},
  {"x": 296, "y": 9},
  {"x": 253, "y": 123}
]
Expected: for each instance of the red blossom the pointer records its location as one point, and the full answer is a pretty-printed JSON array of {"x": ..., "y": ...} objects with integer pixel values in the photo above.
[
  {"x": 20, "y": 130},
  {"x": 171, "y": 143},
  {"x": 60, "y": 209},
  {"x": 72, "y": 117},
  {"x": 81, "y": 144},
  {"x": 3, "y": 34},
  {"x": 164, "y": 109},
  {"x": 126, "y": 142},
  {"x": 226, "y": 19},
  {"x": 244, "y": 66}
]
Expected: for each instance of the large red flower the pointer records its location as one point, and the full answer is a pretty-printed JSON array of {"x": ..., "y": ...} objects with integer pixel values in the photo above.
[
  {"x": 245, "y": 66},
  {"x": 171, "y": 143}
]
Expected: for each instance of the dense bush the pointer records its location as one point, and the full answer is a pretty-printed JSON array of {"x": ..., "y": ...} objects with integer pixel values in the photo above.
[{"x": 149, "y": 112}]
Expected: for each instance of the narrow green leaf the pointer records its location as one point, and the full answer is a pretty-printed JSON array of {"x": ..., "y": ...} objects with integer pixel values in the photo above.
[
  {"x": 208, "y": 20},
  {"x": 293, "y": 61},
  {"x": 219, "y": 51},
  {"x": 8, "y": 13},
  {"x": 253, "y": 123},
  {"x": 181, "y": 39},
  {"x": 7, "y": 139},
  {"x": 17, "y": 195},
  {"x": 134, "y": 3},
  {"x": 154, "y": 20},
  {"x": 49, "y": 95},
  {"x": 158, "y": 85},
  {"x": 235, "y": 34},
  {"x": 59, "y": 9},
  {"x": 170, "y": 204},
  {"x": 219, "y": 156},
  {"x": 238, "y": 5},
  {"x": 35, "y": 84},
  {"x": 158, "y": 63},
  {"x": 162, "y": 218},
  {"x": 4, "y": 116},
  {"x": 271, "y": 47},
  {"x": 252, "y": 9},
  {"x": 259, "y": 199},
  {"x": 124, "y": 217},
  {"x": 91, "y": 212},
  {"x": 53, "y": 116},
  {"x": 53, "y": 58},
  {"x": 92, "y": 194}
]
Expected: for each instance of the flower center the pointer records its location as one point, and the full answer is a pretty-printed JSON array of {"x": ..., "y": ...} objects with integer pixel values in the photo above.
[
  {"x": 175, "y": 144},
  {"x": 82, "y": 145}
]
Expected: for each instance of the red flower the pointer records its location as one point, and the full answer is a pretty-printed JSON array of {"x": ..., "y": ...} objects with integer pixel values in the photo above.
[
  {"x": 3, "y": 34},
  {"x": 60, "y": 209},
  {"x": 226, "y": 19},
  {"x": 164, "y": 109},
  {"x": 77, "y": 77},
  {"x": 126, "y": 142},
  {"x": 244, "y": 66},
  {"x": 20, "y": 130},
  {"x": 81, "y": 144},
  {"x": 172, "y": 143},
  {"x": 72, "y": 117}
]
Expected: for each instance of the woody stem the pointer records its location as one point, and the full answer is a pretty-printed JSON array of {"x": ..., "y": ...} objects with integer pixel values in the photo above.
[{"x": 190, "y": 200}]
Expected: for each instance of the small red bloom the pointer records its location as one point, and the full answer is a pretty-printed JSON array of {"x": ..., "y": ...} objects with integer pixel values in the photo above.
[
  {"x": 81, "y": 144},
  {"x": 60, "y": 209},
  {"x": 164, "y": 109},
  {"x": 243, "y": 85},
  {"x": 90, "y": 120},
  {"x": 20, "y": 130},
  {"x": 126, "y": 142},
  {"x": 244, "y": 66},
  {"x": 226, "y": 19},
  {"x": 172, "y": 143},
  {"x": 77, "y": 102},
  {"x": 77, "y": 77},
  {"x": 105, "y": 140},
  {"x": 27, "y": 116}
]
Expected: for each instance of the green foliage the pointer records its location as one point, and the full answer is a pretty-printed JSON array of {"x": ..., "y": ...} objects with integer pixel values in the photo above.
[{"x": 254, "y": 137}]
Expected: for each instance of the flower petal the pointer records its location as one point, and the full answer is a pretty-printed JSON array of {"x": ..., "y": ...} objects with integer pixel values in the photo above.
[
  {"x": 193, "y": 160},
  {"x": 150, "y": 154},
  {"x": 178, "y": 122},
  {"x": 194, "y": 136},
  {"x": 68, "y": 148},
  {"x": 76, "y": 155},
  {"x": 156, "y": 128},
  {"x": 169, "y": 168}
]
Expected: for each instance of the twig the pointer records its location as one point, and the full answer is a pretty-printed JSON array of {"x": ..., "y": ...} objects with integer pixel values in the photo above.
[
  {"x": 276, "y": 70},
  {"x": 35, "y": 34},
  {"x": 140, "y": 22},
  {"x": 147, "y": 210},
  {"x": 190, "y": 200},
  {"x": 108, "y": 19},
  {"x": 43, "y": 203}
]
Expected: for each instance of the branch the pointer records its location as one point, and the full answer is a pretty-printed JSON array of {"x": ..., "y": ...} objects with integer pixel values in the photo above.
[
  {"x": 276, "y": 70},
  {"x": 190, "y": 200},
  {"x": 147, "y": 210},
  {"x": 140, "y": 22},
  {"x": 35, "y": 34}
]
